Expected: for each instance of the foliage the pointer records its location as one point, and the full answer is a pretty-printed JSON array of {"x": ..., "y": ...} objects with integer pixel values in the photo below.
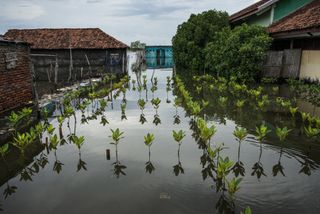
[
  {"x": 193, "y": 36},
  {"x": 238, "y": 52},
  {"x": 261, "y": 132},
  {"x": 178, "y": 135},
  {"x": 240, "y": 133},
  {"x": 148, "y": 139},
  {"x": 116, "y": 136},
  {"x": 282, "y": 133}
]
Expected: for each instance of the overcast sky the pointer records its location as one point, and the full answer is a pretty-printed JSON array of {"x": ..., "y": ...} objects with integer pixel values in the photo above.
[{"x": 151, "y": 21}]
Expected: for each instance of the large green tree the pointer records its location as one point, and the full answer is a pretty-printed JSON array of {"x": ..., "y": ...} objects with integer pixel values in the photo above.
[
  {"x": 193, "y": 36},
  {"x": 238, "y": 52}
]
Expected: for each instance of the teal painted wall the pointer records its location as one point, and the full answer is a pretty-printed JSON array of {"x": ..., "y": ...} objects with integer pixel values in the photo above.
[
  {"x": 285, "y": 7},
  {"x": 164, "y": 51},
  {"x": 262, "y": 20}
]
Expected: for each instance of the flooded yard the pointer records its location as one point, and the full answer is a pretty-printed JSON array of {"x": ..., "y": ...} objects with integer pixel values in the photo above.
[{"x": 165, "y": 177}]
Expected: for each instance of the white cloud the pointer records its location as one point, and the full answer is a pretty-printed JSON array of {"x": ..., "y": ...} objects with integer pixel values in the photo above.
[
  {"x": 20, "y": 11},
  {"x": 151, "y": 21}
]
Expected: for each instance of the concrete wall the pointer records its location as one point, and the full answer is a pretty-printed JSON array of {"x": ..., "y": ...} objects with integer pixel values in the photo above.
[
  {"x": 15, "y": 82},
  {"x": 101, "y": 61},
  {"x": 310, "y": 65}
]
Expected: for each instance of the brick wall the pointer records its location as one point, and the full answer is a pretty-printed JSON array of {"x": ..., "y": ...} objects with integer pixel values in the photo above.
[{"x": 15, "y": 83}]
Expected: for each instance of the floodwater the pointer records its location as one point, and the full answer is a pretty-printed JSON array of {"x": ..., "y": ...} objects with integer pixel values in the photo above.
[{"x": 136, "y": 181}]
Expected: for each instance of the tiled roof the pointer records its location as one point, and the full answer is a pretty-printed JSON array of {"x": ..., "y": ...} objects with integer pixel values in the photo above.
[
  {"x": 305, "y": 18},
  {"x": 247, "y": 11},
  {"x": 65, "y": 38}
]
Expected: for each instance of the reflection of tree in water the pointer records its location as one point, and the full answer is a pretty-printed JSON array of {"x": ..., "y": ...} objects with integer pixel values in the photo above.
[
  {"x": 257, "y": 168},
  {"x": 118, "y": 168},
  {"x": 238, "y": 168},
  {"x": 178, "y": 169},
  {"x": 149, "y": 166},
  {"x": 278, "y": 167}
]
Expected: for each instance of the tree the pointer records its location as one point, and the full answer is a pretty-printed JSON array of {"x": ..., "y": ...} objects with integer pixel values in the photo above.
[
  {"x": 238, "y": 52},
  {"x": 193, "y": 36}
]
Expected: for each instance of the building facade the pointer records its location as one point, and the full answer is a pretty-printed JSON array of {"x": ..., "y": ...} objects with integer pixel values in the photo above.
[
  {"x": 294, "y": 26},
  {"x": 66, "y": 54},
  {"x": 15, "y": 75}
]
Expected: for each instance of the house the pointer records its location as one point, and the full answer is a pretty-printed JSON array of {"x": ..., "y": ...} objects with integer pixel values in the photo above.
[
  {"x": 159, "y": 56},
  {"x": 266, "y": 12},
  {"x": 15, "y": 75},
  {"x": 64, "y": 54},
  {"x": 295, "y": 29}
]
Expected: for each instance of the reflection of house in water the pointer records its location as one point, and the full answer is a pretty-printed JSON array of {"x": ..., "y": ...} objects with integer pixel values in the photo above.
[
  {"x": 159, "y": 56},
  {"x": 77, "y": 51}
]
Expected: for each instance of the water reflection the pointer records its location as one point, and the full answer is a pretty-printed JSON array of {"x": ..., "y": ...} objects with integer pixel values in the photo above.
[
  {"x": 160, "y": 62},
  {"x": 258, "y": 158}
]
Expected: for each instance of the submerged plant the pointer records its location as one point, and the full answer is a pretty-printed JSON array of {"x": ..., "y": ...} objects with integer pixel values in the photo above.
[
  {"x": 261, "y": 132},
  {"x": 156, "y": 102},
  {"x": 116, "y": 136},
  {"x": 293, "y": 111},
  {"x": 206, "y": 132},
  {"x": 311, "y": 132},
  {"x": 148, "y": 139},
  {"x": 141, "y": 104},
  {"x": 240, "y": 133},
  {"x": 233, "y": 186},
  {"x": 240, "y": 103},
  {"x": 178, "y": 136},
  {"x": 282, "y": 133}
]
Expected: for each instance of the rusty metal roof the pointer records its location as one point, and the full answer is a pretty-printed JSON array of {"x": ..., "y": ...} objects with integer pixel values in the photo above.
[{"x": 65, "y": 38}]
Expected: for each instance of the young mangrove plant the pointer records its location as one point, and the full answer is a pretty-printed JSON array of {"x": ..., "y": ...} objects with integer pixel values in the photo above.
[
  {"x": 4, "y": 151},
  {"x": 293, "y": 111},
  {"x": 240, "y": 133},
  {"x": 156, "y": 103},
  {"x": 223, "y": 100},
  {"x": 178, "y": 136},
  {"x": 148, "y": 140},
  {"x": 116, "y": 136},
  {"x": 261, "y": 132},
  {"x": 282, "y": 133},
  {"x": 240, "y": 103},
  {"x": 311, "y": 132},
  {"x": 141, "y": 104},
  {"x": 206, "y": 132}
]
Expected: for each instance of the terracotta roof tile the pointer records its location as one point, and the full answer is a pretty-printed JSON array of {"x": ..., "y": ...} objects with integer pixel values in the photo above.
[
  {"x": 305, "y": 18},
  {"x": 247, "y": 11},
  {"x": 65, "y": 38}
]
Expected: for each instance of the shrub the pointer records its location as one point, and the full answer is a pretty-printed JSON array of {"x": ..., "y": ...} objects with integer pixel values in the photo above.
[{"x": 238, "y": 52}]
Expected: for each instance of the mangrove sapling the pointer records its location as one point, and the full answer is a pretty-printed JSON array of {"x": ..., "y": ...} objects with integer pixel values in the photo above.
[
  {"x": 223, "y": 100},
  {"x": 206, "y": 132},
  {"x": 21, "y": 141},
  {"x": 311, "y": 132},
  {"x": 240, "y": 134},
  {"x": 176, "y": 117},
  {"x": 305, "y": 116},
  {"x": 282, "y": 133},
  {"x": 116, "y": 136},
  {"x": 233, "y": 186},
  {"x": 247, "y": 211},
  {"x": 293, "y": 111},
  {"x": 79, "y": 141},
  {"x": 57, "y": 166},
  {"x": 240, "y": 103},
  {"x": 178, "y": 137},
  {"x": 148, "y": 140},
  {"x": 257, "y": 168},
  {"x": 4, "y": 151},
  {"x": 261, "y": 132},
  {"x": 141, "y": 104}
]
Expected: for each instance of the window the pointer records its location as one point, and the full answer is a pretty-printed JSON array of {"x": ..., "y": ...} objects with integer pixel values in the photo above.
[{"x": 114, "y": 59}]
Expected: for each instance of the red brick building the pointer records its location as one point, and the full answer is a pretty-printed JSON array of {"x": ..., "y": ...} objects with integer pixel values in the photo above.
[{"x": 15, "y": 74}]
